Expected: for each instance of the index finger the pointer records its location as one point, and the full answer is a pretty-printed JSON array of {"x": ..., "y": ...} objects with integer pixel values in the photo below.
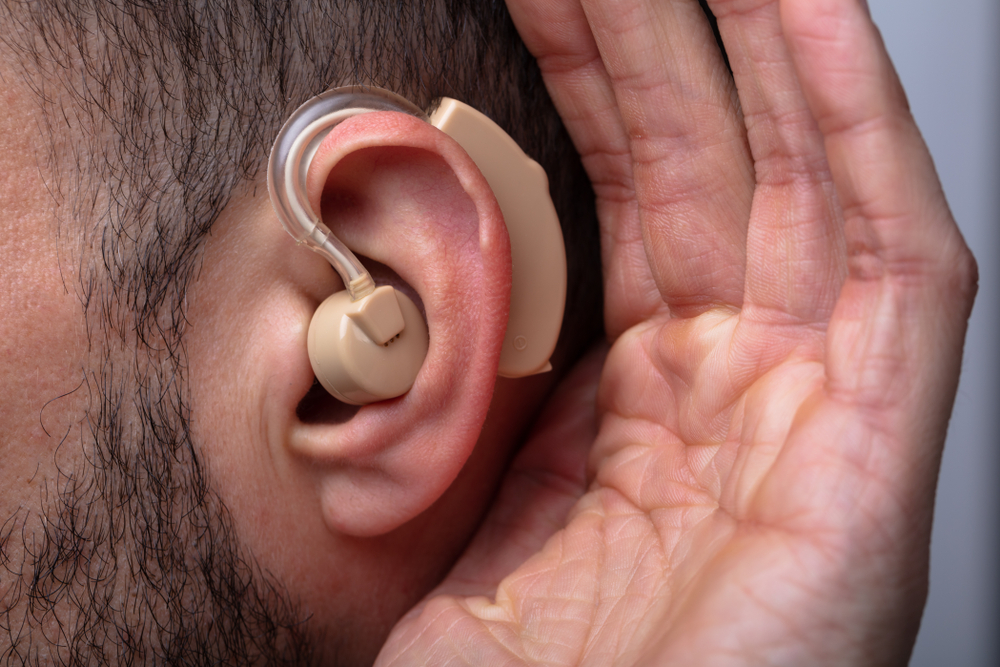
[{"x": 650, "y": 104}]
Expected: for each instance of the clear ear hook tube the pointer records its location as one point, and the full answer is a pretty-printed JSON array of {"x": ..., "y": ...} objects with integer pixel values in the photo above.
[{"x": 288, "y": 166}]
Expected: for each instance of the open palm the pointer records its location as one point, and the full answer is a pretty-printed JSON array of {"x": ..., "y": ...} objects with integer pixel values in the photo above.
[{"x": 786, "y": 295}]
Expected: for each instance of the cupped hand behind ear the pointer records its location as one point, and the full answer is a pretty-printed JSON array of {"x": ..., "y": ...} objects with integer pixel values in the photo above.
[{"x": 787, "y": 296}]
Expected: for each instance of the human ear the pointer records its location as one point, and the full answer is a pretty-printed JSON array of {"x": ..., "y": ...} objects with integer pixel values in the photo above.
[
  {"x": 367, "y": 343},
  {"x": 404, "y": 194}
]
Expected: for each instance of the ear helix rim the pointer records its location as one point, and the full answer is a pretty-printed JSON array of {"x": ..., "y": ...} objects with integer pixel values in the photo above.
[{"x": 287, "y": 166}]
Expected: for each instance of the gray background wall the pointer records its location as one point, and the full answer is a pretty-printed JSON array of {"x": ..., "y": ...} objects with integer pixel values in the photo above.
[{"x": 948, "y": 54}]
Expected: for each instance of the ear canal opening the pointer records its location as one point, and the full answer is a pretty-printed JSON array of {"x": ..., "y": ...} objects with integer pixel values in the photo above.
[{"x": 318, "y": 407}]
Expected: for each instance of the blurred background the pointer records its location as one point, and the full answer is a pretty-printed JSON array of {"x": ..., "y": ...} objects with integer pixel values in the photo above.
[{"x": 948, "y": 55}]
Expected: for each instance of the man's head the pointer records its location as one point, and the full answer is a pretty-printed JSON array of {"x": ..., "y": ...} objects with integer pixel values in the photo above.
[{"x": 159, "y": 504}]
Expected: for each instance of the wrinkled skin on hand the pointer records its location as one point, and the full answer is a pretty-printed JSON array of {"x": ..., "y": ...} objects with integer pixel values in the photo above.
[{"x": 786, "y": 300}]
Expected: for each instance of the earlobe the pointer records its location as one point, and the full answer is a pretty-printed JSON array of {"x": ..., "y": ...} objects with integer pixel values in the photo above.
[{"x": 397, "y": 190}]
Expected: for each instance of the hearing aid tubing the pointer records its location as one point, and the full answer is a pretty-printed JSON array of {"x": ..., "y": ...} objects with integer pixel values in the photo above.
[{"x": 293, "y": 152}]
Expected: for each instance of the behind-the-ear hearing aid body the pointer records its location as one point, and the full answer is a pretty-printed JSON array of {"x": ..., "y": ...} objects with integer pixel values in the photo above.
[{"x": 367, "y": 344}]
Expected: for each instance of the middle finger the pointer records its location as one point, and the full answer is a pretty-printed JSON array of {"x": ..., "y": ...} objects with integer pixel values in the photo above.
[
  {"x": 795, "y": 247},
  {"x": 693, "y": 175}
]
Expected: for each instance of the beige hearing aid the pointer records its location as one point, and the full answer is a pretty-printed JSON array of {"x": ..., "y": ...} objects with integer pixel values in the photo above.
[{"x": 367, "y": 343}]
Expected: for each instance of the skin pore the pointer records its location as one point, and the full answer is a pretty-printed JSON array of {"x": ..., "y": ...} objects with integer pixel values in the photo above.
[{"x": 150, "y": 127}]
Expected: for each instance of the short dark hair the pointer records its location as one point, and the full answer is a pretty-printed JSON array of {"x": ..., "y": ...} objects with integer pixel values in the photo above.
[
  {"x": 177, "y": 103},
  {"x": 171, "y": 108}
]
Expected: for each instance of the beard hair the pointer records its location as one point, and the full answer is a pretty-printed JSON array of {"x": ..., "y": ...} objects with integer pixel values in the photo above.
[{"x": 133, "y": 559}]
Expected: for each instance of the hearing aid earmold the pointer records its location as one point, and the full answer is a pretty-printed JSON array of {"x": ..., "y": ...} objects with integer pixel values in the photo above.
[{"x": 367, "y": 344}]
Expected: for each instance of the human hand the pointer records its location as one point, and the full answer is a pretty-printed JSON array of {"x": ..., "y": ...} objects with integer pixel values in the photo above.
[{"x": 787, "y": 294}]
